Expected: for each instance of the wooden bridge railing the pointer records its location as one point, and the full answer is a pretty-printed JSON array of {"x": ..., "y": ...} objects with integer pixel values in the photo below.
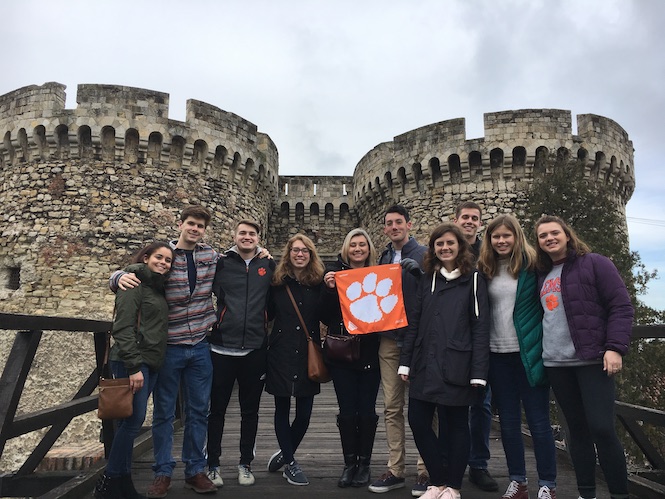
[{"x": 25, "y": 482}]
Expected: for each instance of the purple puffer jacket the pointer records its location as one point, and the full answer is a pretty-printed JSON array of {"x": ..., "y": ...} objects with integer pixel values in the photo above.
[{"x": 597, "y": 305}]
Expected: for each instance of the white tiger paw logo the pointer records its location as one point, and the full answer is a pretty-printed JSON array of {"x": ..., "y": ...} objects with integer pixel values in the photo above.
[{"x": 370, "y": 300}]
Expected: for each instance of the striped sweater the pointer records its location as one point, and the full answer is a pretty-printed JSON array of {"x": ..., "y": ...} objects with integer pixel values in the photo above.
[{"x": 190, "y": 315}]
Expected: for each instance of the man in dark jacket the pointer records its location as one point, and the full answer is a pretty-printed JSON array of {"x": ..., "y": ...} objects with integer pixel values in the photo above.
[
  {"x": 397, "y": 225},
  {"x": 238, "y": 345},
  {"x": 468, "y": 217}
]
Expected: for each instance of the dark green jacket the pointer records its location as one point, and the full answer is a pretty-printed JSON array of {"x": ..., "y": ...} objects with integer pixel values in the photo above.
[
  {"x": 147, "y": 344},
  {"x": 528, "y": 320}
]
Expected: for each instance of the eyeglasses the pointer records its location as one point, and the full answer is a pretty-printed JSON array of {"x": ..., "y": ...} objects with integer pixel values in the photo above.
[{"x": 304, "y": 251}]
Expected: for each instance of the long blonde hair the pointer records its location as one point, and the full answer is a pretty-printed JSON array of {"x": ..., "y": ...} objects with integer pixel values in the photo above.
[
  {"x": 311, "y": 275},
  {"x": 523, "y": 255}
]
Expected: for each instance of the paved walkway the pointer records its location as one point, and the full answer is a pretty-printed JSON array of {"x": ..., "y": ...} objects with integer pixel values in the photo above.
[{"x": 320, "y": 458}]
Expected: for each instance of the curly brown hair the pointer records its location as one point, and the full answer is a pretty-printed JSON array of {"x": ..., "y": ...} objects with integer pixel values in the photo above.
[
  {"x": 465, "y": 257},
  {"x": 312, "y": 274}
]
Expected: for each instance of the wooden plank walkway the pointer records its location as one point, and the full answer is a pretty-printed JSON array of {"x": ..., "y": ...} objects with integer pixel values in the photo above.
[{"x": 320, "y": 458}]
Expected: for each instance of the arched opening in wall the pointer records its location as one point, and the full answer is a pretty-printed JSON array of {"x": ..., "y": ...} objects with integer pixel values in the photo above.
[
  {"x": 329, "y": 212},
  {"x": 108, "y": 143},
  {"x": 344, "y": 215},
  {"x": 389, "y": 181},
  {"x": 379, "y": 191},
  {"x": 220, "y": 158},
  {"x": 519, "y": 161},
  {"x": 200, "y": 154},
  {"x": 562, "y": 155},
  {"x": 611, "y": 170},
  {"x": 476, "y": 165},
  {"x": 582, "y": 155},
  {"x": 11, "y": 276},
  {"x": 85, "y": 143},
  {"x": 39, "y": 136},
  {"x": 7, "y": 143},
  {"x": 62, "y": 142},
  {"x": 131, "y": 146},
  {"x": 262, "y": 174},
  {"x": 417, "y": 171},
  {"x": 401, "y": 176},
  {"x": 177, "y": 152},
  {"x": 284, "y": 211},
  {"x": 540, "y": 163},
  {"x": 300, "y": 215},
  {"x": 496, "y": 163},
  {"x": 435, "y": 171},
  {"x": 23, "y": 144},
  {"x": 234, "y": 169},
  {"x": 598, "y": 165},
  {"x": 455, "y": 169},
  {"x": 314, "y": 213},
  {"x": 249, "y": 170},
  {"x": 155, "y": 146}
]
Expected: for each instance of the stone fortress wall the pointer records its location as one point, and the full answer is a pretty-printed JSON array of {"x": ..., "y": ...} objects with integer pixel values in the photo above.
[{"x": 82, "y": 189}]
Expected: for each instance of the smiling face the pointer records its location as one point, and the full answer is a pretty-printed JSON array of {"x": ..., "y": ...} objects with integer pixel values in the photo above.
[
  {"x": 299, "y": 255},
  {"x": 358, "y": 251},
  {"x": 192, "y": 231},
  {"x": 553, "y": 240},
  {"x": 397, "y": 229},
  {"x": 469, "y": 221},
  {"x": 160, "y": 260},
  {"x": 246, "y": 239},
  {"x": 446, "y": 249},
  {"x": 503, "y": 241}
]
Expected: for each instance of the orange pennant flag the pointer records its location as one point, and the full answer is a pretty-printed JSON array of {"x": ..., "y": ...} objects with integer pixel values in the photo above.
[{"x": 371, "y": 298}]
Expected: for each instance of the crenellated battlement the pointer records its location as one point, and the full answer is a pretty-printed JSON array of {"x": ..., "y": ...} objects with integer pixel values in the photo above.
[{"x": 131, "y": 125}]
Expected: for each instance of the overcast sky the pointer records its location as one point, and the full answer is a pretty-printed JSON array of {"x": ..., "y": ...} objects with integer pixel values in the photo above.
[{"x": 329, "y": 80}]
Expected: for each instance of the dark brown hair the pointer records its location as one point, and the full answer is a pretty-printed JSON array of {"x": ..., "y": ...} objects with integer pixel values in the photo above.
[
  {"x": 543, "y": 260},
  {"x": 196, "y": 211},
  {"x": 465, "y": 256}
]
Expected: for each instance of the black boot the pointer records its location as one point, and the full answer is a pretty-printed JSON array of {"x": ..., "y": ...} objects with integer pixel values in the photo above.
[
  {"x": 367, "y": 431},
  {"x": 347, "y": 432},
  {"x": 127, "y": 488},
  {"x": 108, "y": 488}
]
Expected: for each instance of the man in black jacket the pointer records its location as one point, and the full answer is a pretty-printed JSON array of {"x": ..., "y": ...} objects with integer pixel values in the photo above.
[{"x": 238, "y": 345}]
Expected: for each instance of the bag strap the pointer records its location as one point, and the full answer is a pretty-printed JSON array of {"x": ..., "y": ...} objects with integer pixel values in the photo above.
[
  {"x": 105, "y": 365},
  {"x": 295, "y": 306}
]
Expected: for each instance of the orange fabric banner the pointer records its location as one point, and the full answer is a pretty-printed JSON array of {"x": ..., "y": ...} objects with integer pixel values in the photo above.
[{"x": 371, "y": 298}]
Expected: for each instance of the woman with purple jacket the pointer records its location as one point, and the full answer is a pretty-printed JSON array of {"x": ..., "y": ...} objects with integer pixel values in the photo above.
[{"x": 587, "y": 323}]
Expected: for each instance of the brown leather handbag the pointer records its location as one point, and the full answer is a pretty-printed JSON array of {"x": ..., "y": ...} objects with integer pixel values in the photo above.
[{"x": 316, "y": 368}]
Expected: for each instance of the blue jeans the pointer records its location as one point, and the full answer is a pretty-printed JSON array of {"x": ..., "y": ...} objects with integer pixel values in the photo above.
[
  {"x": 480, "y": 422},
  {"x": 512, "y": 391},
  {"x": 191, "y": 366},
  {"x": 120, "y": 457}
]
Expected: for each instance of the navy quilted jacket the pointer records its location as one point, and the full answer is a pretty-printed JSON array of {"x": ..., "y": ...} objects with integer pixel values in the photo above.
[{"x": 597, "y": 305}]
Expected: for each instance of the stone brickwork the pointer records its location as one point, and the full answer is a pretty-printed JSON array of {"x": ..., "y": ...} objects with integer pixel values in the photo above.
[{"x": 82, "y": 189}]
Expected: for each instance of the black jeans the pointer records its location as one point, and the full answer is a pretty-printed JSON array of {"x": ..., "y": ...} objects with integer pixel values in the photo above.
[
  {"x": 447, "y": 454},
  {"x": 250, "y": 372},
  {"x": 356, "y": 390},
  {"x": 290, "y": 434},
  {"x": 586, "y": 396}
]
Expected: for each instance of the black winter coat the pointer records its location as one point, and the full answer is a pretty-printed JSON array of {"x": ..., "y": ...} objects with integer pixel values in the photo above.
[
  {"x": 332, "y": 317},
  {"x": 447, "y": 342},
  {"x": 287, "y": 346}
]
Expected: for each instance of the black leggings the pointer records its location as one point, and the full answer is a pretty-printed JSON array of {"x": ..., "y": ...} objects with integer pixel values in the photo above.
[
  {"x": 289, "y": 435},
  {"x": 586, "y": 396}
]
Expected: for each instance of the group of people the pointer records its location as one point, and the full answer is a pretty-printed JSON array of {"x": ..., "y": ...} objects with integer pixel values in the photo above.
[{"x": 491, "y": 322}]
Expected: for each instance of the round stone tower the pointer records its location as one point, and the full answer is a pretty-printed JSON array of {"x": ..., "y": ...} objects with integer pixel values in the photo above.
[{"x": 82, "y": 189}]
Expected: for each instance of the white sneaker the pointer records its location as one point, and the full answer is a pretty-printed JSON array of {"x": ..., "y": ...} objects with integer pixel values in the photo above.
[
  {"x": 450, "y": 493},
  {"x": 545, "y": 492},
  {"x": 215, "y": 477},
  {"x": 432, "y": 492},
  {"x": 245, "y": 475}
]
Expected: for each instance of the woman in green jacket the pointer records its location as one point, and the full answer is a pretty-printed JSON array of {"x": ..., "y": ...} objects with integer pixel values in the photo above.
[
  {"x": 140, "y": 329},
  {"x": 516, "y": 373}
]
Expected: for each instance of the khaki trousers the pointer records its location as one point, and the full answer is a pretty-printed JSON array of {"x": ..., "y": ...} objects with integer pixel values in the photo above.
[{"x": 394, "y": 398}]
